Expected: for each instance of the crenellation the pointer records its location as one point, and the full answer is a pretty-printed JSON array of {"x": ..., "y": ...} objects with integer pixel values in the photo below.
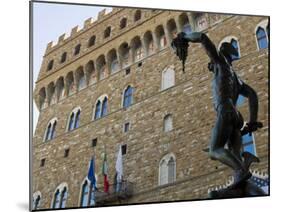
[{"x": 88, "y": 22}]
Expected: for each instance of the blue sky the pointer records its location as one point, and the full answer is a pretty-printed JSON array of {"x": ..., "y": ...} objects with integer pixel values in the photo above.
[{"x": 49, "y": 22}]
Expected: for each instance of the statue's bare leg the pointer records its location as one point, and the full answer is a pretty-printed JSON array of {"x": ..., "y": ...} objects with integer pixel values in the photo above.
[
  {"x": 235, "y": 143},
  {"x": 221, "y": 132}
]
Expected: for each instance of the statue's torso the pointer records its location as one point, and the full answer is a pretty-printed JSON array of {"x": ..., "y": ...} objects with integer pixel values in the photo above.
[{"x": 225, "y": 86}]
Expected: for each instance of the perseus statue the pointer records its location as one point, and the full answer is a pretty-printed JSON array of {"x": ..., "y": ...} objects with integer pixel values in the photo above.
[{"x": 225, "y": 144}]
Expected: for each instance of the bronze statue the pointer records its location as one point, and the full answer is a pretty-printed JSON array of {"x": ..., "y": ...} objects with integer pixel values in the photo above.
[{"x": 225, "y": 145}]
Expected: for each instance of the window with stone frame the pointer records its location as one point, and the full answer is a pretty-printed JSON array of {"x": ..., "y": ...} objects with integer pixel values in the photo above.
[
  {"x": 168, "y": 123},
  {"x": 36, "y": 200},
  {"x": 101, "y": 107},
  {"x": 74, "y": 119},
  {"x": 128, "y": 97},
  {"x": 60, "y": 197},
  {"x": 50, "y": 65},
  {"x": 77, "y": 49},
  {"x": 168, "y": 78},
  {"x": 107, "y": 32},
  {"x": 167, "y": 169},
  {"x": 63, "y": 57},
  {"x": 50, "y": 132},
  {"x": 262, "y": 38}
]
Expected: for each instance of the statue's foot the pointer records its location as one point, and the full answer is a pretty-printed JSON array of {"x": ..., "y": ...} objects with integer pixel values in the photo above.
[{"x": 240, "y": 176}]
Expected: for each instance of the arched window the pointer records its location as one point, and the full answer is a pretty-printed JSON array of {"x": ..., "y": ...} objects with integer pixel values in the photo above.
[
  {"x": 148, "y": 42},
  {"x": 81, "y": 79},
  {"x": 184, "y": 23},
  {"x": 261, "y": 38},
  {"x": 91, "y": 76},
  {"x": 98, "y": 110},
  {"x": 234, "y": 43},
  {"x": 128, "y": 97},
  {"x": 101, "y": 107},
  {"x": 101, "y": 67},
  {"x": 56, "y": 203},
  {"x": 48, "y": 134},
  {"x": 167, "y": 169},
  {"x": 85, "y": 194},
  {"x": 51, "y": 130},
  {"x": 70, "y": 86},
  {"x": 137, "y": 48},
  {"x": 171, "y": 170},
  {"x": 161, "y": 37},
  {"x": 60, "y": 197},
  {"x": 77, "y": 49},
  {"x": 60, "y": 88},
  {"x": 172, "y": 29},
  {"x": 63, "y": 57},
  {"x": 104, "y": 107},
  {"x": 64, "y": 197},
  {"x": 92, "y": 41},
  {"x": 124, "y": 54},
  {"x": 74, "y": 119},
  {"x": 168, "y": 78},
  {"x": 42, "y": 98},
  {"x": 168, "y": 123},
  {"x": 137, "y": 15},
  {"x": 107, "y": 32},
  {"x": 123, "y": 23},
  {"x": 71, "y": 122},
  {"x": 112, "y": 60},
  {"x": 77, "y": 119},
  {"x": 51, "y": 93},
  {"x": 36, "y": 200},
  {"x": 50, "y": 65}
]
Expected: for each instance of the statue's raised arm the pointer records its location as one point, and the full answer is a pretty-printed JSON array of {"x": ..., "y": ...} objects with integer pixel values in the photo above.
[{"x": 180, "y": 45}]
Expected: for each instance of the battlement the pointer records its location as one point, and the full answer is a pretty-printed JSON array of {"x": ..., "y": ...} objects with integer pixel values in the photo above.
[{"x": 88, "y": 23}]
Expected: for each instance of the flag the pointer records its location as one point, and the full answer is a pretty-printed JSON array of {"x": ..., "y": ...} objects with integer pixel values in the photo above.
[
  {"x": 91, "y": 174},
  {"x": 119, "y": 166},
  {"x": 105, "y": 174}
]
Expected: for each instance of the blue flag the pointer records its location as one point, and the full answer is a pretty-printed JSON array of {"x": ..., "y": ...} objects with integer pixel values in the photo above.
[{"x": 91, "y": 174}]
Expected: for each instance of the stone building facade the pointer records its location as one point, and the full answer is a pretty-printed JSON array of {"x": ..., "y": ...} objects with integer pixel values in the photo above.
[{"x": 117, "y": 82}]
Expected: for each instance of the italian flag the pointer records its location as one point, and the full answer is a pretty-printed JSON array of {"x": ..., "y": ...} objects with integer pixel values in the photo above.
[{"x": 105, "y": 174}]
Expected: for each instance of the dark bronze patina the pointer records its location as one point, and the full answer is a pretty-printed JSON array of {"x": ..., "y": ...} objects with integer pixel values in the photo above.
[{"x": 226, "y": 142}]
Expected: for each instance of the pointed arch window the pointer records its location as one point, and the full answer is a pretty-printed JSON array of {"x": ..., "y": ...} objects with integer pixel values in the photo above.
[
  {"x": 74, "y": 119},
  {"x": 235, "y": 44},
  {"x": 101, "y": 107},
  {"x": 77, "y": 119},
  {"x": 64, "y": 197},
  {"x": 56, "y": 203},
  {"x": 85, "y": 194},
  {"x": 51, "y": 130},
  {"x": 261, "y": 38},
  {"x": 98, "y": 110},
  {"x": 36, "y": 201},
  {"x": 104, "y": 107},
  {"x": 167, "y": 169},
  {"x": 128, "y": 97},
  {"x": 60, "y": 197}
]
